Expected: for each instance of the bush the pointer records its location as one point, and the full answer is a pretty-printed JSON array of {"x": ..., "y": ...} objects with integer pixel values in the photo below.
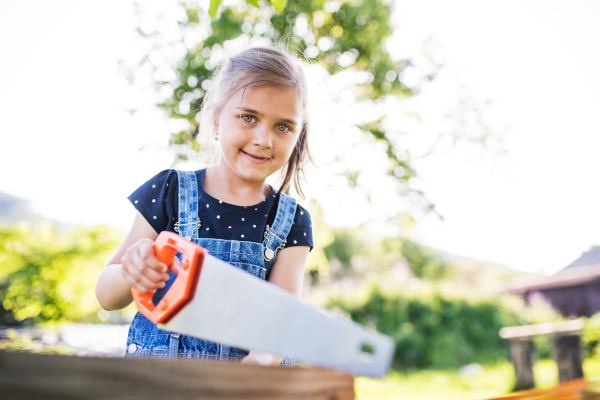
[
  {"x": 434, "y": 331},
  {"x": 48, "y": 276},
  {"x": 590, "y": 336}
]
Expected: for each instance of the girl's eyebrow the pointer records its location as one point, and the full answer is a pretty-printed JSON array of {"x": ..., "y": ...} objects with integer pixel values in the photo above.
[{"x": 251, "y": 111}]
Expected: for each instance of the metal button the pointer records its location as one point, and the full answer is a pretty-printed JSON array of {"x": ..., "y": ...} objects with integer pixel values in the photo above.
[
  {"x": 132, "y": 348},
  {"x": 269, "y": 254}
]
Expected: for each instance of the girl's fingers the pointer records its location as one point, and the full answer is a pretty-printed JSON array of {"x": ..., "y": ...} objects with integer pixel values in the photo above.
[
  {"x": 141, "y": 283},
  {"x": 151, "y": 269},
  {"x": 175, "y": 265},
  {"x": 147, "y": 254}
]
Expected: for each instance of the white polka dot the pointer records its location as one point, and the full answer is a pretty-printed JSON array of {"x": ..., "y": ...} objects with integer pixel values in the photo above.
[
  {"x": 243, "y": 219},
  {"x": 207, "y": 228},
  {"x": 264, "y": 199},
  {"x": 167, "y": 184},
  {"x": 155, "y": 217},
  {"x": 220, "y": 201},
  {"x": 295, "y": 242},
  {"x": 301, "y": 212},
  {"x": 153, "y": 186},
  {"x": 136, "y": 202},
  {"x": 255, "y": 209},
  {"x": 242, "y": 236},
  {"x": 254, "y": 226},
  {"x": 218, "y": 216},
  {"x": 207, "y": 206},
  {"x": 154, "y": 200}
]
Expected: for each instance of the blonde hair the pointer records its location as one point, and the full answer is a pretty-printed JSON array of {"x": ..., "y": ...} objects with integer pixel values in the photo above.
[{"x": 265, "y": 66}]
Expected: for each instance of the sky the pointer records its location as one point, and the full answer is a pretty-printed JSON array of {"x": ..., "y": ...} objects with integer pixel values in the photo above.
[{"x": 69, "y": 145}]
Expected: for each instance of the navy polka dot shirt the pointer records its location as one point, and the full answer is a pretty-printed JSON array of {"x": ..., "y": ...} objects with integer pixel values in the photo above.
[{"x": 158, "y": 201}]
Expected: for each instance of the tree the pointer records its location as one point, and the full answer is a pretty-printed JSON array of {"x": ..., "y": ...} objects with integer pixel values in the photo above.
[{"x": 344, "y": 38}]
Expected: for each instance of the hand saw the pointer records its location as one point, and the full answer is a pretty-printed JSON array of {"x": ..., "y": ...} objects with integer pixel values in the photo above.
[{"x": 213, "y": 300}]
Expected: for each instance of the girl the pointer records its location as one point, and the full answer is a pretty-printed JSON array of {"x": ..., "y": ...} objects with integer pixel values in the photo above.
[{"x": 256, "y": 109}]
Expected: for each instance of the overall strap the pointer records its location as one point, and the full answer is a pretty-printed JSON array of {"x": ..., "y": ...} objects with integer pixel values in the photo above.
[
  {"x": 275, "y": 236},
  {"x": 188, "y": 223}
]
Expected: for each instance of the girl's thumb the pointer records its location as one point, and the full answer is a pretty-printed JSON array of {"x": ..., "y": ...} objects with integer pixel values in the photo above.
[{"x": 175, "y": 265}]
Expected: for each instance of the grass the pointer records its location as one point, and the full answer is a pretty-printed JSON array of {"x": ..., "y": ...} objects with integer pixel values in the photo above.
[{"x": 495, "y": 380}]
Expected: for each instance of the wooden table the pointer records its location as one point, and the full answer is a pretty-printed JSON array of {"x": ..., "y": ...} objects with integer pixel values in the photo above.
[
  {"x": 565, "y": 345},
  {"x": 35, "y": 376}
]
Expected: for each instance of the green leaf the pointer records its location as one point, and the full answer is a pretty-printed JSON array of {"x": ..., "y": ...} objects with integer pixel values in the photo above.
[
  {"x": 279, "y": 5},
  {"x": 254, "y": 3},
  {"x": 213, "y": 9}
]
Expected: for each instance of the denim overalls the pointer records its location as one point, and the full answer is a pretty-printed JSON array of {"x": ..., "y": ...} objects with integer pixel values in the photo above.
[{"x": 146, "y": 340}]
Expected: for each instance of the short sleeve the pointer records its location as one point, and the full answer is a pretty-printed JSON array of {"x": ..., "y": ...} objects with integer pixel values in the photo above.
[
  {"x": 301, "y": 231},
  {"x": 154, "y": 199}
]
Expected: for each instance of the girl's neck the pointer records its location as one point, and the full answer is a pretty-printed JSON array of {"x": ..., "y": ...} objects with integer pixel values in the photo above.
[{"x": 230, "y": 188}]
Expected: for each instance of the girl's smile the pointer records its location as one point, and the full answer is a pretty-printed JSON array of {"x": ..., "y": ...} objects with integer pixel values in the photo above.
[{"x": 256, "y": 159}]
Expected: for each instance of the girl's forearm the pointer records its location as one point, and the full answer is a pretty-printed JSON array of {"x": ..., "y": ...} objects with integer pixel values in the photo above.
[{"x": 113, "y": 291}]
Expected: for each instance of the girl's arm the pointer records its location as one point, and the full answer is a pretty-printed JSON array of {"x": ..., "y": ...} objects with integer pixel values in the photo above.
[
  {"x": 133, "y": 264},
  {"x": 287, "y": 273}
]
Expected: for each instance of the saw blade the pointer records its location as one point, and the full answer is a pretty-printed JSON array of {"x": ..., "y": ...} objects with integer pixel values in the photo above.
[{"x": 237, "y": 309}]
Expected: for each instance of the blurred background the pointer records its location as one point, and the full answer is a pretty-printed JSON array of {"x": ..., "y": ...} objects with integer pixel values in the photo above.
[{"x": 454, "y": 191}]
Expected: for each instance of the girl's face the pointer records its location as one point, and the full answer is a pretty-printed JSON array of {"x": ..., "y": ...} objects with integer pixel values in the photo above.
[{"x": 258, "y": 129}]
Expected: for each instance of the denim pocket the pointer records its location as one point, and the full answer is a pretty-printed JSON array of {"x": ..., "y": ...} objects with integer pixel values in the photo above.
[{"x": 255, "y": 270}]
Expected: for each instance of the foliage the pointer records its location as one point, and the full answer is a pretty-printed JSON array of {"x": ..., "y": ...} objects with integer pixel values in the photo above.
[
  {"x": 347, "y": 243},
  {"x": 423, "y": 261},
  {"x": 305, "y": 24},
  {"x": 323, "y": 236},
  {"x": 434, "y": 330},
  {"x": 590, "y": 336},
  {"x": 213, "y": 8},
  {"x": 48, "y": 276},
  {"x": 357, "y": 252}
]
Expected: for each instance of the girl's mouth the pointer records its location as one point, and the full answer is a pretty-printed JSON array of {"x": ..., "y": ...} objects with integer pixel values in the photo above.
[{"x": 254, "y": 159}]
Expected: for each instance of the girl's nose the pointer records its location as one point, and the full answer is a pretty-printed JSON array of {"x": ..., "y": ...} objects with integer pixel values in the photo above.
[{"x": 262, "y": 138}]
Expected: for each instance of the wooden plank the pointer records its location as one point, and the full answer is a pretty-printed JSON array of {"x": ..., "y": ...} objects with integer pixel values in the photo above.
[
  {"x": 25, "y": 376},
  {"x": 541, "y": 329}
]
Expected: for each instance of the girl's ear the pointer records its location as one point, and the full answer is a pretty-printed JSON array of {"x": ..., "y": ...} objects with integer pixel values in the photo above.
[{"x": 214, "y": 117}]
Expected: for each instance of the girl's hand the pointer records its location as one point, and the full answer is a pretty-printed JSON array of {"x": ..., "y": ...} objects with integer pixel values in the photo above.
[
  {"x": 143, "y": 270},
  {"x": 258, "y": 358}
]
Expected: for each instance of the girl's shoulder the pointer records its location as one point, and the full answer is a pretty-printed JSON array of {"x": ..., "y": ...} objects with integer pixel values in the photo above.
[
  {"x": 165, "y": 180},
  {"x": 301, "y": 231},
  {"x": 156, "y": 200}
]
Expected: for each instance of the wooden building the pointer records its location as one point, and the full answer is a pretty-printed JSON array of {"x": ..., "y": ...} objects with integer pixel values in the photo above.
[{"x": 573, "y": 291}]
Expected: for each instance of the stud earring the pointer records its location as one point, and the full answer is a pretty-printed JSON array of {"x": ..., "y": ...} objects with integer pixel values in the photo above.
[{"x": 216, "y": 138}]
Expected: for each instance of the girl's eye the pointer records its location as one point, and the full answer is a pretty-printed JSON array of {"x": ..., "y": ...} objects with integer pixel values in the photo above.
[
  {"x": 248, "y": 118},
  {"x": 283, "y": 128}
]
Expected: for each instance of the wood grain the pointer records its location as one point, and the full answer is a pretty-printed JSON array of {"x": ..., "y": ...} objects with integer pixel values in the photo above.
[{"x": 35, "y": 376}]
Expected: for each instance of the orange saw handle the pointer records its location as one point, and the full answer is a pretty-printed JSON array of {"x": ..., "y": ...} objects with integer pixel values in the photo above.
[{"x": 166, "y": 246}]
